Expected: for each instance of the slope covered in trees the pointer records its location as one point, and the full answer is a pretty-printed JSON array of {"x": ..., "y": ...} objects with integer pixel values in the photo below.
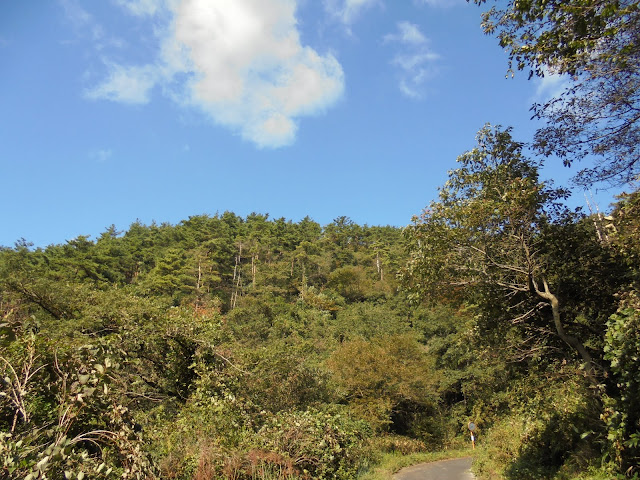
[
  {"x": 229, "y": 347},
  {"x": 221, "y": 347}
]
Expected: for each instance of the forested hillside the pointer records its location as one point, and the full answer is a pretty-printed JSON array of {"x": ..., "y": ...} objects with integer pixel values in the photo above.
[
  {"x": 221, "y": 347},
  {"x": 229, "y": 347}
]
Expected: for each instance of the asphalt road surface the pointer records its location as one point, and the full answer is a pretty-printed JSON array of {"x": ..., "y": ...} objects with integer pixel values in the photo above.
[{"x": 455, "y": 469}]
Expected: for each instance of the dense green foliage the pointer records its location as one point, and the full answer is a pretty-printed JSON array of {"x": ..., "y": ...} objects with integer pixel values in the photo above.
[
  {"x": 554, "y": 298},
  {"x": 228, "y": 347},
  {"x": 536, "y": 271},
  {"x": 221, "y": 347}
]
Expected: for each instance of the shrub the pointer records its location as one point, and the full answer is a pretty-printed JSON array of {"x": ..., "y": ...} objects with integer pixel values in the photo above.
[
  {"x": 398, "y": 444},
  {"x": 319, "y": 444},
  {"x": 622, "y": 409},
  {"x": 547, "y": 429}
]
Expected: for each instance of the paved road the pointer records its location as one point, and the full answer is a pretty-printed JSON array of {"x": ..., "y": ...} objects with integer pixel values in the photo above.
[{"x": 456, "y": 469}]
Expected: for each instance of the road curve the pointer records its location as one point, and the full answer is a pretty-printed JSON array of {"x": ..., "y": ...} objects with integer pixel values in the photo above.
[{"x": 455, "y": 469}]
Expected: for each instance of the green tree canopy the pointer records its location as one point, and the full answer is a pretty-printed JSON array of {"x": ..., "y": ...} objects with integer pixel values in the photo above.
[
  {"x": 596, "y": 45},
  {"x": 491, "y": 241}
]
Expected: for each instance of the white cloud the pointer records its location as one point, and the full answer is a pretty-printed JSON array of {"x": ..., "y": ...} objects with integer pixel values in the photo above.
[
  {"x": 100, "y": 155},
  {"x": 415, "y": 59},
  {"x": 86, "y": 28},
  {"x": 551, "y": 85},
  {"x": 141, "y": 7},
  {"x": 440, "y": 3},
  {"x": 347, "y": 10},
  {"x": 408, "y": 33},
  {"x": 126, "y": 84},
  {"x": 81, "y": 19},
  {"x": 241, "y": 62},
  {"x": 78, "y": 16}
]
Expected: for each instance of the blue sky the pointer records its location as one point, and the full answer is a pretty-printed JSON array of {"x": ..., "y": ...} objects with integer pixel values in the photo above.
[{"x": 120, "y": 110}]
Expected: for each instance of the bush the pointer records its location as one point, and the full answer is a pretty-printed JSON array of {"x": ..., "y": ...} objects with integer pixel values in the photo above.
[
  {"x": 66, "y": 422},
  {"x": 622, "y": 408},
  {"x": 546, "y": 432},
  {"x": 397, "y": 444},
  {"x": 319, "y": 444}
]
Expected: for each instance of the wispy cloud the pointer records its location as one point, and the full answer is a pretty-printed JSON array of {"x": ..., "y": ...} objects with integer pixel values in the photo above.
[
  {"x": 240, "y": 62},
  {"x": 415, "y": 60},
  {"x": 77, "y": 15},
  {"x": 100, "y": 155},
  {"x": 408, "y": 34},
  {"x": 550, "y": 86},
  {"x": 87, "y": 28},
  {"x": 440, "y": 3},
  {"x": 126, "y": 84},
  {"x": 347, "y": 11},
  {"x": 141, "y": 7}
]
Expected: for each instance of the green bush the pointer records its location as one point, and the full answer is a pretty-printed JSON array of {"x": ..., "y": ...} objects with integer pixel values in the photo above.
[
  {"x": 66, "y": 421},
  {"x": 549, "y": 429},
  {"x": 397, "y": 444},
  {"x": 319, "y": 444},
  {"x": 622, "y": 408}
]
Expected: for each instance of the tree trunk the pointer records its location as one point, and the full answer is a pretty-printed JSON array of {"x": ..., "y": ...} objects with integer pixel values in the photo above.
[{"x": 568, "y": 339}]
